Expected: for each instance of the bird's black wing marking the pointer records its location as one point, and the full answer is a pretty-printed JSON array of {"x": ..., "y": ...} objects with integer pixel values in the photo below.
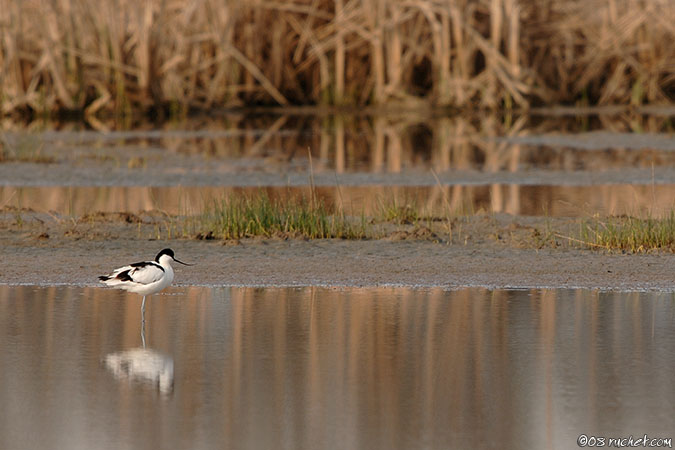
[
  {"x": 124, "y": 276},
  {"x": 145, "y": 264},
  {"x": 145, "y": 272}
]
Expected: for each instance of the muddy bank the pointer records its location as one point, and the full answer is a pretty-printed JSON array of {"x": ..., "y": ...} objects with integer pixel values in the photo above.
[
  {"x": 344, "y": 263},
  {"x": 498, "y": 253}
]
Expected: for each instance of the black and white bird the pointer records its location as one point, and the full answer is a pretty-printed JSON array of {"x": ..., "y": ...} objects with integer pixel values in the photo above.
[{"x": 144, "y": 278}]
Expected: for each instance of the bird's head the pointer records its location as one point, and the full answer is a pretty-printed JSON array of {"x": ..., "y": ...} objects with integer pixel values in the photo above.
[{"x": 168, "y": 253}]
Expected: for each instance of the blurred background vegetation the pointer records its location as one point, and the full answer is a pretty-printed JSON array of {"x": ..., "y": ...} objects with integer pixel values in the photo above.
[{"x": 123, "y": 56}]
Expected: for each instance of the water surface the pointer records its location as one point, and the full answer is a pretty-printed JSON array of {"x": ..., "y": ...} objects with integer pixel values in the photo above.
[
  {"x": 435, "y": 201},
  {"x": 558, "y": 165},
  {"x": 322, "y": 368},
  {"x": 403, "y": 149}
]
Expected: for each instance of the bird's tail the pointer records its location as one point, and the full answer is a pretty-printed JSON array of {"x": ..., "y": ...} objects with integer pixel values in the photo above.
[{"x": 108, "y": 280}]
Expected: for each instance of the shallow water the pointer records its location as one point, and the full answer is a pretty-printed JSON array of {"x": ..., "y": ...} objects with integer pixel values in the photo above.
[
  {"x": 539, "y": 200},
  {"x": 524, "y": 165},
  {"x": 323, "y": 368},
  {"x": 207, "y": 151}
]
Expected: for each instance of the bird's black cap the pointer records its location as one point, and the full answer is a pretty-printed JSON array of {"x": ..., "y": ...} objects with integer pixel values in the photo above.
[{"x": 166, "y": 251}]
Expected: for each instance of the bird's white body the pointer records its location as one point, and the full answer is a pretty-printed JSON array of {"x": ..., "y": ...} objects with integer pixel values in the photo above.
[{"x": 144, "y": 278}]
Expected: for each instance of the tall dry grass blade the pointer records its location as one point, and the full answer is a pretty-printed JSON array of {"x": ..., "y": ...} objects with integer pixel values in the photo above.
[{"x": 257, "y": 74}]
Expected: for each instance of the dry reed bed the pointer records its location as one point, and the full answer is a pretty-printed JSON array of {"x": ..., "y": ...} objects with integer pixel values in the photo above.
[{"x": 123, "y": 55}]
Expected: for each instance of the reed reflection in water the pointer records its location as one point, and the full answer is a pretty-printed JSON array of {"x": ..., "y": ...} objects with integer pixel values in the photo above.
[
  {"x": 403, "y": 142},
  {"x": 348, "y": 368},
  {"x": 550, "y": 200}
]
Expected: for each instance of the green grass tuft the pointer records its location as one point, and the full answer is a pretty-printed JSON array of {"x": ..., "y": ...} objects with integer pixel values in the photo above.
[
  {"x": 393, "y": 211},
  {"x": 241, "y": 217},
  {"x": 630, "y": 233}
]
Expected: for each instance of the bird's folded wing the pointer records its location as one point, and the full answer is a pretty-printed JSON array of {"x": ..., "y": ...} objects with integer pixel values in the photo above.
[{"x": 144, "y": 273}]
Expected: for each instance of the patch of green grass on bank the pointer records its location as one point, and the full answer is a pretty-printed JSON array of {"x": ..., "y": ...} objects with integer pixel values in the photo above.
[
  {"x": 396, "y": 212},
  {"x": 241, "y": 217},
  {"x": 629, "y": 233}
]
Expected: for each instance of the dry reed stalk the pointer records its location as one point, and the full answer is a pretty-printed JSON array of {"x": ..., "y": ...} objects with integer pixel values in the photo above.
[
  {"x": 394, "y": 50},
  {"x": 339, "y": 55},
  {"x": 496, "y": 20}
]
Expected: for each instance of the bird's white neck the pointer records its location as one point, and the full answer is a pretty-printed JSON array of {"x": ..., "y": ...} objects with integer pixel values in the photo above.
[{"x": 165, "y": 262}]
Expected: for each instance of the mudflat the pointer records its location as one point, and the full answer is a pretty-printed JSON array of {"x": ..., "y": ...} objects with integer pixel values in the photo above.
[{"x": 495, "y": 251}]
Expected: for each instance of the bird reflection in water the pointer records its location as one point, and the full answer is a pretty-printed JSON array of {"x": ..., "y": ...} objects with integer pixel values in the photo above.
[{"x": 142, "y": 364}]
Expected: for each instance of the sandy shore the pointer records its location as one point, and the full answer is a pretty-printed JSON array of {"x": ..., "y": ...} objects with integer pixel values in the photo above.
[{"x": 484, "y": 258}]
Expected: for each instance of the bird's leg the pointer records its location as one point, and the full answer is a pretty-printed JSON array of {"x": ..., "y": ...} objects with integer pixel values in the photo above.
[
  {"x": 143, "y": 321},
  {"x": 143, "y": 332}
]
